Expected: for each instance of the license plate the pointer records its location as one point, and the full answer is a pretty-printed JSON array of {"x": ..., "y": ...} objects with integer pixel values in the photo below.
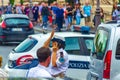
[{"x": 16, "y": 29}]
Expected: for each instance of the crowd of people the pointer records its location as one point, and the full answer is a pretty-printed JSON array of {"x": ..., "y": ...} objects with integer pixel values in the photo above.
[{"x": 56, "y": 14}]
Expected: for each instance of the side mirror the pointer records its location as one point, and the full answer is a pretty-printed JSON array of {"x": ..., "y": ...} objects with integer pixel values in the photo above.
[{"x": 94, "y": 54}]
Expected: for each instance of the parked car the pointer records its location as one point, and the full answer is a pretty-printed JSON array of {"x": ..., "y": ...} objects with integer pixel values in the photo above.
[
  {"x": 78, "y": 47},
  {"x": 105, "y": 60},
  {"x": 15, "y": 27}
]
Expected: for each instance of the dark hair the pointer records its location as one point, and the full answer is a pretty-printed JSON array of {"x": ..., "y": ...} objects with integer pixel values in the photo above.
[
  {"x": 118, "y": 7},
  {"x": 43, "y": 53},
  {"x": 61, "y": 43}
]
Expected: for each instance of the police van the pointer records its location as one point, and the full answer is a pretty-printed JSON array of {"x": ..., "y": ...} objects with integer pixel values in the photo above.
[
  {"x": 78, "y": 47},
  {"x": 105, "y": 60}
]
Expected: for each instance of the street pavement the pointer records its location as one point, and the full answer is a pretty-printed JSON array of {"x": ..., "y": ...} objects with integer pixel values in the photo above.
[{"x": 49, "y": 29}]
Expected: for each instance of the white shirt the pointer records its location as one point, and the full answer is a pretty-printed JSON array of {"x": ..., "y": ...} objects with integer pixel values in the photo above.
[
  {"x": 39, "y": 72},
  {"x": 3, "y": 73},
  {"x": 78, "y": 12},
  {"x": 19, "y": 10},
  {"x": 61, "y": 66}
]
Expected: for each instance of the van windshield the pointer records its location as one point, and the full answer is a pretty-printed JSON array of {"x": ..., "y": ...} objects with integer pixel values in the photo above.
[{"x": 100, "y": 43}]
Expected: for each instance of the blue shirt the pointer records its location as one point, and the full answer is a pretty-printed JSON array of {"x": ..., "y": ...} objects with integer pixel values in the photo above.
[
  {"x": 87, "y": 10},
  {"x": 54, "y": 9},
  {"x": 59, "y": 13}
]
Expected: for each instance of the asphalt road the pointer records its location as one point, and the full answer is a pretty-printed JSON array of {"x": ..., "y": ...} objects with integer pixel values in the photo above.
[{"x": 5, "y": 50}]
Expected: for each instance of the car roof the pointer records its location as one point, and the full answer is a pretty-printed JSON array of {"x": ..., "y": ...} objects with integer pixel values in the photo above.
[
  {"x": 4, "y": 16},
  {"x": 62, "y": 34},
  {"x": 110, "y": 24}
]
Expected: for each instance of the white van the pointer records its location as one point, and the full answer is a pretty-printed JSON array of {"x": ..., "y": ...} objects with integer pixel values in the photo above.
[{"x": 105, "y": 60}]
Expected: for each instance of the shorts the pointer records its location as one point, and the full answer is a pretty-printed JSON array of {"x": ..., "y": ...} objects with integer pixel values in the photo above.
[
  {"x": 87, "y": 19},
  {"x": 54, "y": 22}
]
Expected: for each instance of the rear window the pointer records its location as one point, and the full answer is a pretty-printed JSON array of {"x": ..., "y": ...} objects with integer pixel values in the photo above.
[
  {"x": 17, "y": 21},
  {"x": 117, "y": 56},
  {"x": 89, "y": 44},
  {"x": 100, "y": 43},
  {"x": 72, "y": 45},
  {"x": 26, "y": 45}
]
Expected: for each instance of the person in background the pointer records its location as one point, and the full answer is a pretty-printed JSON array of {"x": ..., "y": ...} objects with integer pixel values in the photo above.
[
  {"x": 18, "y": 9},
  {"x": 35, "y": 11},
  {"x": 14, "y": 9},
  {"x": 3, "y": 74},
  {"x": 50, "y": 16},
  {"x": 87, "y": 9},
  {"x": 101, "y": 16},
  {"x": 69, "y": 10},
  {"x": 116, "y": 13},
  {"x": 27, "y": 10},
  {"x": 40, "y": 9},
  {"x": 78, "y": 14},
  {"x": 41, "y": 71},
  {"x": 9, "y": 8},
  {"x": 65, "y": 16},
  {"x": 45, "y": 14},
  {"x": 113, "y": 9},
  {"x": 59, "y": 17},
  {"x": 54, "y": 9}
]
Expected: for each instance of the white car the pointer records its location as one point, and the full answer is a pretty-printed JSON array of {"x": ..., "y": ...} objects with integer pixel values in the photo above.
[
  {"x": 105, "y": 60},
  {"x": 78, "y": 46}
]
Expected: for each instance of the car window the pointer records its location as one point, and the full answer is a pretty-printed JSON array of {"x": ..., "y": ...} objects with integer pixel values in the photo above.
[
  {"x": 100, "y": 43},
  {"x": 26, "y": 45},
  {"x": 89, "y": 44},
  {"x": 72, "y": 45},
  {"x": 117, "y": 56},
  {"x": 17, "y": 21}
]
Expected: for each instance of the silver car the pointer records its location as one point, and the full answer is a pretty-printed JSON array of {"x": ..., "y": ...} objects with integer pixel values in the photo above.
[{"x": 105, "y": 60}]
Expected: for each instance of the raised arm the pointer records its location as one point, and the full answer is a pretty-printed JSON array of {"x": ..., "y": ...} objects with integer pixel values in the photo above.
[
  {"x": 54, "y": 54},
  {"x": 47, "y": 42}
]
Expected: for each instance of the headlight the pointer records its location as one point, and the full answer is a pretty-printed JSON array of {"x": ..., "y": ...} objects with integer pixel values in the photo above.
[{"x": 11, "y": 64}]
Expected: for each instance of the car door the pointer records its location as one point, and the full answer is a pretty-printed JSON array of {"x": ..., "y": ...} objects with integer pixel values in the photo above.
[
  {"x": 79, "y": 58},
  {"x": 99, "y": 66}
]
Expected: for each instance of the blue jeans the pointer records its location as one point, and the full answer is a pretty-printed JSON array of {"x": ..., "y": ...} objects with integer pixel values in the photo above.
[
  {"x": 69, "y": 19},
  {"x": 59, "y": 22},
  {"x": 78, "y": 19},
  {"x": 45, "y": 20}
]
